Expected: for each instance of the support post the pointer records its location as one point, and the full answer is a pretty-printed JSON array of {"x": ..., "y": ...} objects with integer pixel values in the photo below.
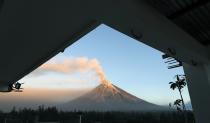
[
  {"x": 80, "y": 118},
  {"x": 198, "y": 78}
]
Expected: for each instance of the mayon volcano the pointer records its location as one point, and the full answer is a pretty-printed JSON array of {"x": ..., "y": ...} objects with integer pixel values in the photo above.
[{"x": 108, "y": 97}]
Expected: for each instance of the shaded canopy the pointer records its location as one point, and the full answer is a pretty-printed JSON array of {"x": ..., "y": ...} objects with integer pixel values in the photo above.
[{"x": 31, "y": 32}]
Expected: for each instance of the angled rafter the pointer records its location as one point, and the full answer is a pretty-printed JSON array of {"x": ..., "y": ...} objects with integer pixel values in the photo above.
[{"x": 195, "y": 5}]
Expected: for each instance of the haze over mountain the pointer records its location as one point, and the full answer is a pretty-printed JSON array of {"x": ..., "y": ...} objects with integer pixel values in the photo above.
[
  {"x": 34, "y": 97},
  {"x": 108, "y": 97},
  {"x": 188, "y": 106}
]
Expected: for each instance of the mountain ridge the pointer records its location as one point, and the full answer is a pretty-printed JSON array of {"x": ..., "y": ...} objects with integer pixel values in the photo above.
[{"x": 108, "y": 97}]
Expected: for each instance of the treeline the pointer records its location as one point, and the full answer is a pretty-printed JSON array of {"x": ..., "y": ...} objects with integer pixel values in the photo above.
[{"x": 52, "y": 114}]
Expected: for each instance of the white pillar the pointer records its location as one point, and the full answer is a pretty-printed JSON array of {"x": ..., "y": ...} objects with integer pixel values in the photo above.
[{"x": 198, "y": 78}]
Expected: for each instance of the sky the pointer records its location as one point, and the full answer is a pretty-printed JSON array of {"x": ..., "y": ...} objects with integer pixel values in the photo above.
[{"x": 109, "y": 54}]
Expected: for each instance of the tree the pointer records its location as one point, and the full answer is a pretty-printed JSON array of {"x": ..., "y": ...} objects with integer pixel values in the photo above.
[
  {"x": 177, "y": 103},
  {"x": 179, "y": 84}
]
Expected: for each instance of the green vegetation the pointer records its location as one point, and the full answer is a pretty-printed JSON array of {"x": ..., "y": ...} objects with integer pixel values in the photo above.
[
  {"x": 52, "y": 114},
  {"x": 179, "y": 84}
]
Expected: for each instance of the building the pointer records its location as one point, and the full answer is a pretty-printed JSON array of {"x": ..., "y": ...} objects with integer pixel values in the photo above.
[{"x": 34, "y": 31}]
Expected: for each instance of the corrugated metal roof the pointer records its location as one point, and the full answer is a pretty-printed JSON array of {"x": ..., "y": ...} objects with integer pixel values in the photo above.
[{"x": 193, "y": 16}]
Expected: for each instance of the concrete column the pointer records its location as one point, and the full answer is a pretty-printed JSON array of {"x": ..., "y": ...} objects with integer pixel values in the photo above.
[
  {"x": 207, "y": 67},
  {"x": 198, "y": 78}
]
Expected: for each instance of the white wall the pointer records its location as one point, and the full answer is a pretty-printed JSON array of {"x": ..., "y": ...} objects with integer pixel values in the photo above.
[{"x": 199, "y": 89}]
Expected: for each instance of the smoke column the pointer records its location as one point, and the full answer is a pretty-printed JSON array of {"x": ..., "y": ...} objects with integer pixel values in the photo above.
[{"x": 69, "y": 66}]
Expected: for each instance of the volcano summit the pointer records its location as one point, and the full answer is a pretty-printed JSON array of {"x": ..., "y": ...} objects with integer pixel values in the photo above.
[{"x": 108, "y": 97}]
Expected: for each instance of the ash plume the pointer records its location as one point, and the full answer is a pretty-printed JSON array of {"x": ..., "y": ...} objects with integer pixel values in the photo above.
[{"x": 69, "y": 66}]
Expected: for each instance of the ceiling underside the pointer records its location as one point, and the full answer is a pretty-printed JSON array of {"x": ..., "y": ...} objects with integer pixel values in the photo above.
[
  {"x": 33, "y": 31},
  {"x": 191, "y": 15}
]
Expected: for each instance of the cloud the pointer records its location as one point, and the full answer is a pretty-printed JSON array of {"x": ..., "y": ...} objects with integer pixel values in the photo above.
[
  {"x": 60, "y": 82},
  {"x": 68, "y": 66}
]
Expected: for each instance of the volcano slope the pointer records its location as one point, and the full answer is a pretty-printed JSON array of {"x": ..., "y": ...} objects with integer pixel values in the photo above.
[{"x": 109, "y": 98}]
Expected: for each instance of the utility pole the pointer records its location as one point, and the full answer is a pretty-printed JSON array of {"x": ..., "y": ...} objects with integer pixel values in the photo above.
[{"x": 80, "y": 118}]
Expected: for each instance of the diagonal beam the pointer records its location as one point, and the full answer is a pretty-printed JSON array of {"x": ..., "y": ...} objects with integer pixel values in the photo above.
[
  {"x": 1, "y": 4},
  {"x": 181, "y": 12}
]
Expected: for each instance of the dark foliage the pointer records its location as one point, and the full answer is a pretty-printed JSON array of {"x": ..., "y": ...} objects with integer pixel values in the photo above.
[
  {"x": 179, "y": 84},
  {"x": 52, "y": 114}
]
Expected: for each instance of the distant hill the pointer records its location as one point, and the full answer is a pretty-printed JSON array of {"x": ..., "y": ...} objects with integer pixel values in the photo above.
[
  {"x": 188, "y": 106},
  {"x": 34, "y": 97},
  {"x": 109, "y": 98}
]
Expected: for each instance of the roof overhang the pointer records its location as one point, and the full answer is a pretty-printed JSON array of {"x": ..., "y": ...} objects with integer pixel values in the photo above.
[{"x": 34, "y": 31}]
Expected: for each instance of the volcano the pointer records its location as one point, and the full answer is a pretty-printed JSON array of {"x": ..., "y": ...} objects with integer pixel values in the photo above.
[{"x": 108, "y": 97}]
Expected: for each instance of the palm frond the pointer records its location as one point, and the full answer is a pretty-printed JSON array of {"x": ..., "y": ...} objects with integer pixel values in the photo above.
[
  {"x": 177, "y": 78},
  {"x": 182, "y": 82},
  {"x": 178, "y": 102},
  {"x": 171, "y": 82},
  {"x": 173, "y": 86}
]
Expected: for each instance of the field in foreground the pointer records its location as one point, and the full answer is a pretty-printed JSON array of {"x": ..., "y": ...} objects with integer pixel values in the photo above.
[{"x": 53, "y": 115}]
